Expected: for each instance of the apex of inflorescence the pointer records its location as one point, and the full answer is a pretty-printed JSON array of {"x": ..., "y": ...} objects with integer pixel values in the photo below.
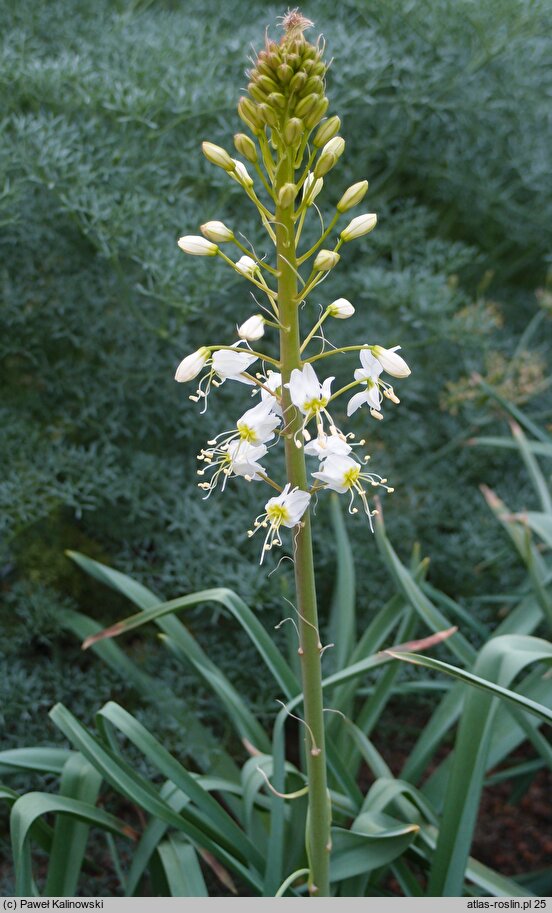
[{"x": 286, "y": 82}]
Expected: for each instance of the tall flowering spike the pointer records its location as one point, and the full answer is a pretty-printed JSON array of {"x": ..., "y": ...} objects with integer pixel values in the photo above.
[{"x": 286, "y": 84}]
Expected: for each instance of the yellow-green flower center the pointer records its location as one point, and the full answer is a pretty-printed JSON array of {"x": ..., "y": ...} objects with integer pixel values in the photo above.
[
  {"x": 351, "y": 476},
  {"x": 277, "y": 514},
  {"x": 312, "y": 406},
  {"x": 247, "y": 434}
]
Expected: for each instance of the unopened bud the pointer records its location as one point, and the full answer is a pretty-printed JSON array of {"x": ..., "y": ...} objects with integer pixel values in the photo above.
[
  {"x": 246, "y": 266},
  {"x": 293, "y": 131},
  {"x": 268, "y": 115},
  {"x": 324, "y": 164},
  {"x": 314, "y": 84},
  {"x": 317, "y": 113},
  {"x": 267, "y": 84},
  {"x": 190, "y": 366},
  {"x": 359, "y": 226},
  {"x": 305, "y": 105},
  {"x": 277, "y": 100},
  {"x": 248, "y": 112},
  {"x": 252, "y": 328},
  {"x": 285, "y": 73},
  {"x": 391, "y": 362},
  {"x": 298, "y": 81},
  {"x": 353, "y": 195},
  {"x": 326, "y": 260},
  {"x": 246, "y": 147},
  {"x": 341, "y": 309},
  {"x": 327, "y": 131},
  {"x": 334, "y": 146},
  {"x": 218, "y": 156},
  {"x": 241, "y": 174},
  {"x": 217, "y": 231},
  {"x": 287, "y": 195},
  {"x": 198, "y": 247},
  {"x": 257, "y": 93}
]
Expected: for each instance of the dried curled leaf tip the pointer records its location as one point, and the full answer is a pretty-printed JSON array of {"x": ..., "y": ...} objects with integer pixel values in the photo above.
[{"x": 294, "y": 23}]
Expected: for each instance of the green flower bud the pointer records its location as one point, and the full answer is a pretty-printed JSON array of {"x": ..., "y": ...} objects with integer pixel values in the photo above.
[
  {"x": 305, "y": 105},
  {"x": 257, "y": 93},
  {"x": 293, "y": 131},
  {"x": 317, "y": 113},
  {"x": 269, "y": 115},
  {"x": 263, "y": 67},
  {"x": 277, "y": 100},
  {"x": 218, "y": 156},
  {"x": 287, "y": 195},
  {"x": 314, "y": 84},
  {"x": 246, "y": 147},
  {"x": 326, "y": 260},
  {"x": 327, "y": 131},
  {"x": 285, "y": 73},
  {"x": 298, "y": 81},
  {"x": 249, "y": 114},
  {"x": 267, "y": 84},
  {"x": 324, "y": 164},
  {"x": 353, "y": 195}
]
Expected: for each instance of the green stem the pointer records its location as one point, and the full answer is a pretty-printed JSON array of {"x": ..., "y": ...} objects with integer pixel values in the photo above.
[
  {"x": 304, "y": 257},
  {"x": 336, "y": 351},
  {"x": 318, "y": 821}
]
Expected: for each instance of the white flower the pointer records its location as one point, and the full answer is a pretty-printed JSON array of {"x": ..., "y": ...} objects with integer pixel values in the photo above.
[
  {"x": 197, "y": 246},
  {"x": 256, "y": 426},
  {"x": 369, "y": 375},
  {"x": 343, "y": 474},
  {"x": 244, "y": 459},
  {"x": 284, "y": 510},
  {"x": 359, "y": 226},
  {"x": 246, "y": 266},
  {"x": 190, "y": 366},
  {"x": 233, "y": 458},
  {"x": 310, "y": 397},
  {"x": 237, "y": 452},
  {"x": 306, "y": 391},
  {"x": 252, "y": 328},
  {"x": 341, "y": 308},
  {"x": 391, "y": 362},
  {"x": 230, "y": 364},
  {"x": 327, "y": 445},
  {"x": 217, "y": 231}
]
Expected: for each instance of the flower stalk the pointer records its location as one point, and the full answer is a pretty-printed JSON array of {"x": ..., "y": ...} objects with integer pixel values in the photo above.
[{"x": 318, "y": 826}]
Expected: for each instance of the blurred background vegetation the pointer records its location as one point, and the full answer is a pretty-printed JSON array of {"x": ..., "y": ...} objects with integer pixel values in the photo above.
[{"x": 105, "y": 103}]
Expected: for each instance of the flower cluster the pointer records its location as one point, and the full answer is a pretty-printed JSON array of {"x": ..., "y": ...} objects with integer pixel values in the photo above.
[{"x": 284, "y": 110}]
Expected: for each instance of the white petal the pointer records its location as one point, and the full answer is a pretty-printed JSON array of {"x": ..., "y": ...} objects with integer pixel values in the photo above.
[{"x": 356, "y": 402}]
